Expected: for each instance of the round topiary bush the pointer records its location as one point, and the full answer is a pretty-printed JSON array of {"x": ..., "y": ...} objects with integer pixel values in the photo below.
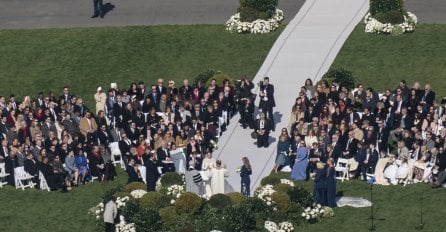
[
  {"x": 237, "y": 199},
  {"x": 340, "y": 75},
  {"x": 188, "y": 203},
  {"x": 282, "y": 187},
  {"x": 301, "y": 196},
  {"x": 220, "y": 201},
  {"x": 171, "y": 178},
  {"x": 169, "y": 217},
  {"x": 282, "y": 200},
  {"x": 271, "y": 179},
  {"x": 204, "y": 76},
  {"x": 134, "y": 186},
  {"x": 393, "y": 17},
  {"x": 152, "y": 200}
]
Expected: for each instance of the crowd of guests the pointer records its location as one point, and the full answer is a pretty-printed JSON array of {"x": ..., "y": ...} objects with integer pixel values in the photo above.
[{"x": 398, "y": 135}]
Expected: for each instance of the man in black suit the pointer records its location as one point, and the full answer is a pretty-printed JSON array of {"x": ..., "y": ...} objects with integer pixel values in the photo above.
[
  {"x": 11, "y": 162},
  {"x": 132, "y": 172},
  {"x": 125, "y": 144},
  {"x": 118, "y": 111},
  {"x": 267, "y": 102},
  {"x": 142, "y": 91},
  {"x": 161, "y": 89},
  {"x": 30, "y": 166},
  {"x": 152, "y": 173},
  {"x": 164, "y": 159},
  {"x": 351, "y": 146},
  {"x": 262, "y": 130},
  {"x": 428, "y": 96},
  {"x": 403, "y": 121},
  {"x": 337, "y": 147},
  {"x": 382, "y": 136},
  {"x": 155, "y": 97},
  {"x": 97, "y": 9},
  {"x": 104, "y": 136},
  {"x": 369, "y": 163}
]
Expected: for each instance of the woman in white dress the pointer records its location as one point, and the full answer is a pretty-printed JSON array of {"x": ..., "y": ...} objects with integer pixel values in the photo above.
[
  {"x": 100, "y": 99},
  {"x": 217, "y": 176},
  {"x": 391, "y": 170},
  {"x": 207, "y": 165}
]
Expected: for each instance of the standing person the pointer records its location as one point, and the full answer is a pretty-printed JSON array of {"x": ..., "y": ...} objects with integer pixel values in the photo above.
[
  {"x": 267, "y": 102},
  {"x": 262, "y": 130},
  {"x": 100, "y": 98},
  {"x": 331, "y": 184},
  {"x": 152, "y": 173},
  {"x": 110, "y": 214},
  {"x": 217, "y": 176},
  {"x": 245, "y": 172},
  {"x": 194, "y": 181},
  {"x": 320, "y": 184},
  {"x": 97, "y": 9},
  {"x": 283, "y": 149}
]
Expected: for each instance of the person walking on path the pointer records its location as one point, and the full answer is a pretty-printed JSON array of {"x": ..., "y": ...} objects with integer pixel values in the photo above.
[
  {"x": 245, "y": 172},
  {"x": 110, "y": 214},
  {"x": 267, "y": 102},
  {"x": 97, "y": 9}
]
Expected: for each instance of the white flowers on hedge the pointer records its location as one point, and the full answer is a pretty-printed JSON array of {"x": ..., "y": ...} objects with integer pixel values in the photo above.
[
  {"x": 97, "y": 211},
  {"x": 288, "y": 182},
  {"x": 175, "y": 191},
  {"x": 375, "y": 26},
  {"x": 138, "y": 193},
  {"x": 264, "y": 192},
  {"x": 124, "y": 227},
  {"x": 120, "y": 201},
  {"x": 317, "y": 212},
  {"x": 282, "y": 227},
  {"x": 258, "y": 26}
]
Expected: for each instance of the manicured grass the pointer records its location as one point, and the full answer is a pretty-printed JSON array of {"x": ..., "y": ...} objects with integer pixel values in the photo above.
[
  {"x": 381, "y": 61},
  {"x": 48, "y": 59},
  {"x": 397, "y": 208},
  {"x": 38, "y": 210}
]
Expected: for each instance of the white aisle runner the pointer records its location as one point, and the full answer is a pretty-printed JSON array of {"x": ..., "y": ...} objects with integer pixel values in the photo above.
[{"x": 305, "y": 49}]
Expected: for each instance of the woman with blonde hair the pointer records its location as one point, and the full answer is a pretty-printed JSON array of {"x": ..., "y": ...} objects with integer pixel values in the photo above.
[{"x": 245, "y": 172}]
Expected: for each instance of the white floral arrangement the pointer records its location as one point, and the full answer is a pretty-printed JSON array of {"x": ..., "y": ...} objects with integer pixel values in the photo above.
[
  {"x": 375, "y": 26},
  {"x": 317, "y": 212},
  {"x": 175, "y": 192},
  {"x": 120, "y": 201},
  {"x": 282, "y": 227},
  {"x": 97, "y": 211},
  {"x": 288, "y": 182},
  {"x": 263, "y": 192},
  {"x": 238, "y": 170},
  {"x": 138, "y": 193},
  {"x": 123, "y": 226},
  {"x": 258, "y": 26}
]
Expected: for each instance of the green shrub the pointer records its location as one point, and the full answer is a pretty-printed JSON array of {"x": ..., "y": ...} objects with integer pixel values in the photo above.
[
  {"x": 134, "y": 186},
  {"x": 282, "y": 200},
  {"x": 342, "y": 76},
  {"x": 271, "y": 179},
  {"x": 220, "y": 201},
  {"x": 237, "y": 199},
  {"x": 301, "y": 196},
  {"x": 219, "y": 77},
  {"x": 239, "y": 219},
  {"x": 382, "y": 6},
  {"x": 268, "y": 6},
  {"x": 169, "y": 217},
  {"x": 122, "y": 194},
  {"x": 110, "y": 193},
  {"x": 188, "y": 203},
  {"x": 171, "y": 178},
  {"x": 145, "y": 219},
  {"x": 393, "y": 17},
  {"x": 282, "y": 187},
  {"x": 248, "y": 14},
  {"x": 204, "y": 76},
  {"x": 153, "y": 200}
]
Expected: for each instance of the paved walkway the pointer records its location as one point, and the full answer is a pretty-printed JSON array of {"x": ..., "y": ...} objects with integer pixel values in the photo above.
[
  {"x": 76, "y": 13},
  {"x": 305, "y": 49}
]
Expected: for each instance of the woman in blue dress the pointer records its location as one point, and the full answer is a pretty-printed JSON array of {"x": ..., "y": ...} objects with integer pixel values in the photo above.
[
  {"x": 81, "y": 164},
  {"x": 283, "y": 148},
  {"x": 300, "y": 166},
  {"x": 331, "y": 184},
  {"x": 245, "y": 172},
  {"x": 320, "y": 179}
]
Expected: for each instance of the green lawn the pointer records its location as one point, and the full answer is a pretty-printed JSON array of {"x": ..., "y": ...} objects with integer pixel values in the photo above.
[
  {"x": 48, "y": 59},
  {"x": 397, "y": 207},
  {"x": 381, "y": 61}
]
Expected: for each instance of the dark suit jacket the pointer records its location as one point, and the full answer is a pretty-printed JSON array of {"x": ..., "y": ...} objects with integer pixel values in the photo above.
[
  {"x": 30, "y": 167},
  {"x": 269, "y": 94},
  {"x": 161, "y": 154}
]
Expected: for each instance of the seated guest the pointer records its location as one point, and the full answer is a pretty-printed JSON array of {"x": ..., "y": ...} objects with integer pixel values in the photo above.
[
  {"x": 58, "y": 175},
  {"x": 313, "y": 158},
  {"x": 70, "y": 167},
  {"x": 96, "y": 163},
  {"x": 30, "y": 166},
  {"x": 133, "y": 171},
  {"x": 440, "y": 167},
  {"x": 47, "y": 171},
  {"x": 11, "y": 162},
  {"x": 82, "y": 166},
  {"x": 164, "y": 159}
]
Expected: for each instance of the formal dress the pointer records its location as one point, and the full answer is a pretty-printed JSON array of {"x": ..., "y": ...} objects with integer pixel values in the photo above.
[
  {"x": 331, "y": 187},
  {"x": 217, "y": 176},
  {"x": 282, "y": 153},
  {"x": 300, "y": 167},
  {"x": 319, "y": 192},
  {"x": 245, "y": 173}
]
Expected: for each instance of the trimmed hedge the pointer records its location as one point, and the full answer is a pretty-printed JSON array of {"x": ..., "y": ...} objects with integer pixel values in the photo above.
[
  {"x": 382, "y": 6},
  {"x": 171, "y": 178},
  {"x": 188, "y": 203},
  {"x": 220, "y": 201},
  {"x": 393, "y": 17}
]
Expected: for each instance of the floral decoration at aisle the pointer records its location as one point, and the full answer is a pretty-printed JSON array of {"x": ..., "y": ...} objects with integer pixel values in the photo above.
[
  {"x": 372, "y": 25},
  {"x": 259, "y": 26}
]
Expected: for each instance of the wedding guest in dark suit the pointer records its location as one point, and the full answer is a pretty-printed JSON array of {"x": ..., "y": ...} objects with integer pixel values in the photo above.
[
  {"x": 152, "y": 173},
  {"x": 267, "y": 102},
  {"x": 132, "y": 172}
]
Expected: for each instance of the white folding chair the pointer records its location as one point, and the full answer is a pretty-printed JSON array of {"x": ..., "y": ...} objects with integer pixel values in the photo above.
[
  {"x": 43, "y": 183},
  {"x": 342, "y": 168},
  {"x": 22, "y": 179},
  {"x": 3, "y": 175},
  {"x": 116, "y": 153}
]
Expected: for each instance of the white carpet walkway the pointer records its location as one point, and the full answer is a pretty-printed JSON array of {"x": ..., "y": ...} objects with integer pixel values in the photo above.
[{"x": 305, "y": 49}]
